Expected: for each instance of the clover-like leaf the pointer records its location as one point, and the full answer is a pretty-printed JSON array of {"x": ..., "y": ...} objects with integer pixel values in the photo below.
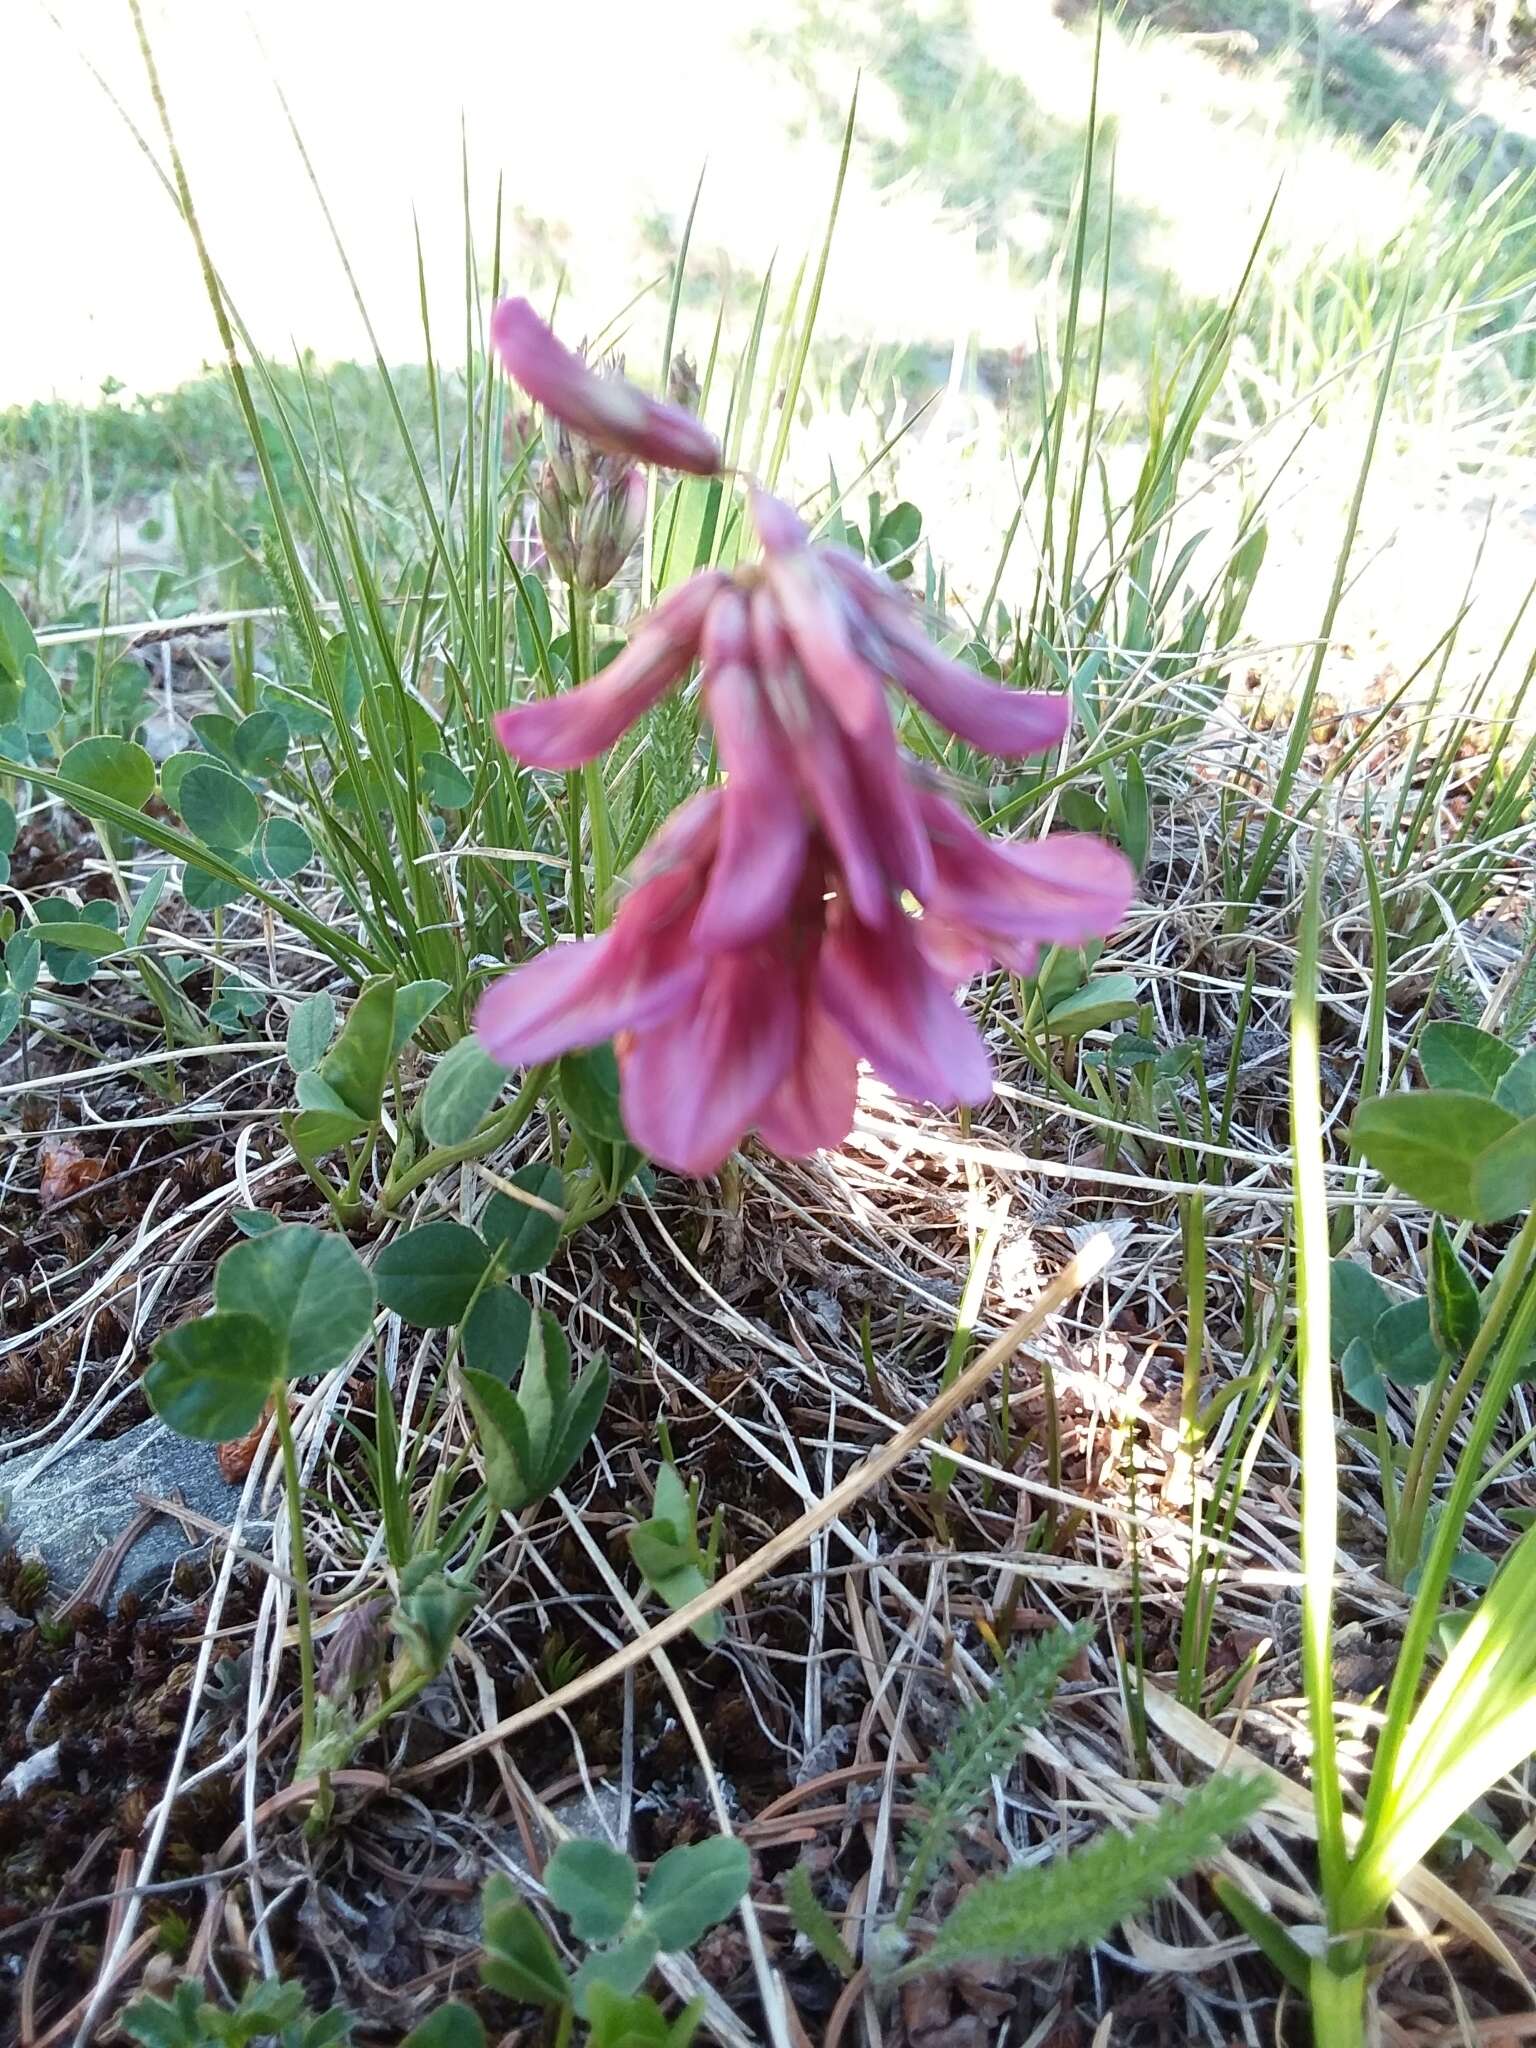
[
  {"x": 464, "y": 1084},
  {"x": 1516, "y": 1089},
  {"x": 594, "y": 1886},
  {"x": 495, "y": 1333},
  {"x": 520, "y": 1959},
  {"x": 526, "y": 1236},
  {"x": 309, "y": 1287},
  {"x": 1356, "y": 1302},
  {"x": 1460, "y": 1056},
  {"x": 1430, "y": 1144},
  {"x": 1404, "y": 1345},
  {"x": 212, "y": 1377},
  {"x": 1455, "y": 1311},
  {"x": 310, "y": 1027},
  {"x": 693, "y": 1888},
  {"x": 218, "y": 808},
  {"x": 428, "y": 1275},
  {"x": 119, "y": 769}
]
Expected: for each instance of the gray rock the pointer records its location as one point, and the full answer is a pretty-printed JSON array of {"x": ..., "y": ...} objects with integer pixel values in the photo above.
[{"x": 77, "y": 1507}]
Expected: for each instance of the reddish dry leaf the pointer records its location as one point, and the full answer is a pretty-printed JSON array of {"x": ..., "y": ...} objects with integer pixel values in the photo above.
[
  {"x": 66, "y": 1168},
  {"x": 236, "y": 1455}
]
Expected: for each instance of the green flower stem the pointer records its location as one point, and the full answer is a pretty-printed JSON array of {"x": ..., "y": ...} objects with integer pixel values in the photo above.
[
  {"x": 504, "y": 1125},
  {"x": 1425, "y": 1461},
  {"x": 298, "y": 1566}
]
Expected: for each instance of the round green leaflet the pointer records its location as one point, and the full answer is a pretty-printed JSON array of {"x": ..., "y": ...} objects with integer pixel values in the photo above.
[
  {"x": 211, "y": 1378},
  {"x": 309, "y": 1287}
]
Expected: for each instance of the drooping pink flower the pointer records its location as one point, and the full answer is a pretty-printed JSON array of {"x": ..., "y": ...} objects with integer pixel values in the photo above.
[
  {"x": 822, "y": 906},
  {"x": 609, "y": 411}
]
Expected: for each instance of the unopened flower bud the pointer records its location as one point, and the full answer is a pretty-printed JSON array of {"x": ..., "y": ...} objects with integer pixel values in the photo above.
[
  {"x": 683, "y": 384},
  {"x": 554, "y": 507},
  {"x": 608, "y": 526},
  {"x": 354, "y": 1655}
]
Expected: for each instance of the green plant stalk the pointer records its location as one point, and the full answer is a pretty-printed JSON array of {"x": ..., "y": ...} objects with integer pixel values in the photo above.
[
  {"x": 298, "y": 1566},
  {"x": 505, "y": 1124},
  {"x": 1319, "y": 1448},
  {"x": 1448, "y": 1397}
]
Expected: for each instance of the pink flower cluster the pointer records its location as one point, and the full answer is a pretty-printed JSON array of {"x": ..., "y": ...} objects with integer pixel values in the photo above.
[{"x": 822, "y": 905}]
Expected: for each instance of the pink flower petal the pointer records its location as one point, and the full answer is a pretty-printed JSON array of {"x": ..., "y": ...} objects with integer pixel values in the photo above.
[
  {"x": 812, "y": 609},
  {"x": 763, "y": 829},
  {"x": 565, "y": 730},
  {"x": 608, "y": 411},
  {"x": 887, "y": 798},
  {"x": 900, "y": 1015},
  {"x": 692, "y": 1090},
  {"x": 571, "y": 997},
  {"x": 822, "y": 764},
  {"x": 812, "y": 1108},
  {"x": 988, "y": 717},
  {"x": 1061, "y": 890}
]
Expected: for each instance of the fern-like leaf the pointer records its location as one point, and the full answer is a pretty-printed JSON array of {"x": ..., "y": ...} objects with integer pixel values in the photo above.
[
  {"x": 983, "y": 1744},
  {"x": 1045, "y": 1909}
]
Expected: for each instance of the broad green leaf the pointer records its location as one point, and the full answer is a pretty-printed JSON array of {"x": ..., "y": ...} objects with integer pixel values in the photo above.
[
  {"x": 310, "y": 1288},
  {"x": 119, "y": 769},
  {"x": 216, "y": 730},
  {"x": 1404, "y": 1346},
  {"x": 10, "y": 1013},
  {"x": 204, "y": 891},
  {"x": 414, "y": 1004},
  {"x": 174, "y": 771},
  {"x": 464, "y": 1084},
  {"x": 1356, "y": 1302},
  {"x": 254, "y": 1222},
  {"x": 7, "y": 826},
  {"x": 309, "y": 1032},
  {"x": 526, "y": 1237},
  {"x": 594, "y": 1886},
  {"x": 588, "y": 1086},
  {"x": 503, "y": 1434},
  {"x": 428, "y": 1275},
  {"x": 211, "y": 1378},
  {"x": 1360, "y": 1376},
  {"x": 520, "y": 1959},
  {"x": 283, "y": 849},
  {"x": 1504, "y": 1174},
  {"x": 623, "y": 1968},
  {"x": 18, "y": 642},
  {"x": 1455, "y": 1312},
  {"x": 1516, "y": 1089},
  {"x": 451, "y": 2026},
  {"x": 315, "y": 1132},
  {"x": 495, "y": 1333},
  {"x": 1101, "y": 1001},
  {"x": 1462, "y": 1057},
  {"x": 614, "y": 2021},
  {"x": 1428, "y": 1144},
  {"x": 41, "y": 705},
  {"x": 259, "y": 744},
  {"x": 357, "y": 1065},
  {"x": 576, "y": 1421},
  {"x": 693, "y": 1888},
  {"x": 449, "y": 788},
  {"x": 219, "y": 808}
]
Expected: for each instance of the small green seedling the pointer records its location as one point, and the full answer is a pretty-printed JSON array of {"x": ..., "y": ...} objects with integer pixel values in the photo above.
[
  {"x": 667, "y": 1550},
  {"x": 623, "y": 1925}
]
